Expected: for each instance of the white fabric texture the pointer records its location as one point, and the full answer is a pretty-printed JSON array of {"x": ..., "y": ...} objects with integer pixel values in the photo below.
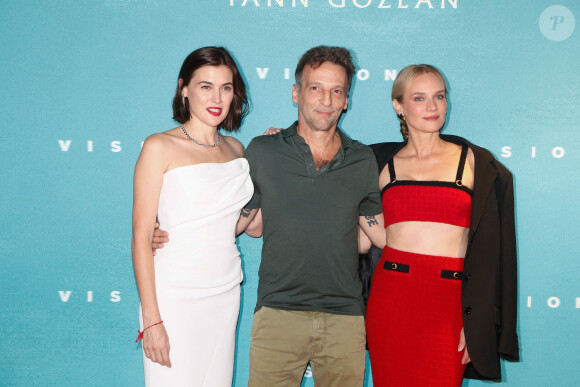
[{"x": 198, "y": 273}]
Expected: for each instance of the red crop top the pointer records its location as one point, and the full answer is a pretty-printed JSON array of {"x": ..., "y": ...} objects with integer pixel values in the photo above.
[{"x": 427, "y": 201}]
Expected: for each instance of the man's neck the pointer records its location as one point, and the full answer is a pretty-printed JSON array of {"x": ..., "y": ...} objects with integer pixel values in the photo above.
[
  {"x": 320, "y": 140},
  {"x": 323, "y": 144}
]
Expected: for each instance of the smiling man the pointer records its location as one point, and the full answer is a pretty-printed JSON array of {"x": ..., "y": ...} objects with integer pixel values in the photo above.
[{"x": 315, "y": 186}]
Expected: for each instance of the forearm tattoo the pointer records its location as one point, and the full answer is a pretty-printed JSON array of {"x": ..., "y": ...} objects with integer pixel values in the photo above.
[
  {"x": 371, "y": 221},
  {"x": 245, "y": 212}
]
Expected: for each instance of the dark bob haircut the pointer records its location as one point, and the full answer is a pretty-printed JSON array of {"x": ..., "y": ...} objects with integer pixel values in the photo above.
[
  {"x": 316, "y": 56},
  {"x": 211, "y": 56}
]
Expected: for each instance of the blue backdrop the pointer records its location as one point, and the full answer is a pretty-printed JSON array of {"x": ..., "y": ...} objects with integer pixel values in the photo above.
[{"x": 84, "y": 83}]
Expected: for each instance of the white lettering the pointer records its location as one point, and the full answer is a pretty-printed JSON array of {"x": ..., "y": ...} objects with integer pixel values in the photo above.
[
  {"x": 262, "y": 72},
  {"x": 506, "y": 151},
  {"x": 390, "y": 75},
  {"x": 286, "y": 73},
  {"x": 116, "y": 146},
  {"x": 115, "y": 296},
  {"x": 533, "y": 152},
  {"x": 363, "y": 74},
  {"x": 558, "y": 152},
  {"x": 423, "y": 1},
  {"x": 64, "y": 145},
  {"x": 553, "y": 302},
  {"x": 89, "y": 146},
  {"x": 308, "y": 373},
  {"x": 452, "y": 2},
  {"x": 356, "y": 4},
  {"x": 64, "y": 296}
]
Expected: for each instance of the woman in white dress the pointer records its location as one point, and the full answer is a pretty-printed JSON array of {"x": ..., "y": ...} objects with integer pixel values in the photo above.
[{"x": 195, "y": 181}]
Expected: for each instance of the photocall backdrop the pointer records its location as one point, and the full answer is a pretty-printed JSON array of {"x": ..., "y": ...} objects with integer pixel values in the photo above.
[{"x": 83, "y": 83}]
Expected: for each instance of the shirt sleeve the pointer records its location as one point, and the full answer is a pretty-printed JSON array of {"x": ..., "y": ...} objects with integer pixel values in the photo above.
[
  {"x": 251, "y": 155},
  {"x": 371, "y": 204}
]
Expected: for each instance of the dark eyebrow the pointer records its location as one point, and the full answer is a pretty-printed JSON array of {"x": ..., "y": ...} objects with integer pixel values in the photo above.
[
  {"x": 337, "y": 86},
  {"x": 210, "y": 83}
]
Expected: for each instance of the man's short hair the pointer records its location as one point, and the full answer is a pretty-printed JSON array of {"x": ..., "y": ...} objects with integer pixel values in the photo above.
[{"x": 316, "y": 56}]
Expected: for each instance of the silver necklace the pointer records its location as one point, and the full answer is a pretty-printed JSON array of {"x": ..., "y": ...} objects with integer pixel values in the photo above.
[{"x": 200, "y": 144}]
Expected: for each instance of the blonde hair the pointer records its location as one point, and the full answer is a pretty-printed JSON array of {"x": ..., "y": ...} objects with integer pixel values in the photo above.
[{"x": 402, "y": 82}]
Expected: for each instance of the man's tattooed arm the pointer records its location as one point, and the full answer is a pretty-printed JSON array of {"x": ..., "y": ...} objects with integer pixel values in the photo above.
[
  {"x": 374, "y": 228},
  {"x": 250, "y": 221},
  {"x": 371, "y": 220}
]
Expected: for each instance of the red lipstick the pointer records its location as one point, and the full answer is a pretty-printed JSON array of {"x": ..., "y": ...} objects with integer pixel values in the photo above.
[{"x": 214, "y": 111}]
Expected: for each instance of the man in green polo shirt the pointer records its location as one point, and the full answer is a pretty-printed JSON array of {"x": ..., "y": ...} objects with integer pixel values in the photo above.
[{"x": 315, "y": 186}]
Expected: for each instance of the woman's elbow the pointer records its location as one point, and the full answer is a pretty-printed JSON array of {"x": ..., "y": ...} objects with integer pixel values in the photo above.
[{"x": 139, "y": 242}]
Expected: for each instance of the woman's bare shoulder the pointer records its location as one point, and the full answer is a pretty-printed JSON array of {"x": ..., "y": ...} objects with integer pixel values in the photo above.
[
  {"x": 161, "y": 139},
  {"x": 160, "y": 146}
]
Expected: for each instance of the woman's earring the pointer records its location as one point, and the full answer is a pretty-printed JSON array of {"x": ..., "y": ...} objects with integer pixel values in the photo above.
[{"x": 402, "y": 117}]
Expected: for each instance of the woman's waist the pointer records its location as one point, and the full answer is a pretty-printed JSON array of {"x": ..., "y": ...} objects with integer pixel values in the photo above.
[
  {"x": 193, "y": 234},
  {"x": 428, "y": 238},
  {"x": 185, "y": 248},
  {"x": 198, "y": 223}
]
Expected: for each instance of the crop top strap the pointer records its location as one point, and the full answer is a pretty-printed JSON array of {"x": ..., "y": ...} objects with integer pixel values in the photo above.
[
  {"x": 462, "y": 159},
  {"x": 391, "y": 166}
]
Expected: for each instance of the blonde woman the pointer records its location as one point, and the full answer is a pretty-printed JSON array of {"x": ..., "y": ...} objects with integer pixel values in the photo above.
[{"x": 443, "y": 295}]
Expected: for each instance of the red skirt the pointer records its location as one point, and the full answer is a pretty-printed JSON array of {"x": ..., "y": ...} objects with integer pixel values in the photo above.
[{"x": 414, "y": 320}]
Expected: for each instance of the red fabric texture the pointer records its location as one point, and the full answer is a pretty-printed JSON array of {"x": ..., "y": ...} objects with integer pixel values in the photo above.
[
  {"x": 426, "y": 203},
  {"x": 414, "y": 321}
]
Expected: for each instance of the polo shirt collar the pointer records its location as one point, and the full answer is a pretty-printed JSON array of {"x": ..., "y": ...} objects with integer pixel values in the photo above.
[{"x": 345, "y": 141}]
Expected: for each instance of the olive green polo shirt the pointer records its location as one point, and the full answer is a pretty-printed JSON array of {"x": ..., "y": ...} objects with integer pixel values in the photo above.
[{"x": 310, "y": 252}]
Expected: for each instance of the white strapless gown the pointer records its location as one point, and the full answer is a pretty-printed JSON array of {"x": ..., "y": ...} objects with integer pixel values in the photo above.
[{"x": 198, "y": 273}]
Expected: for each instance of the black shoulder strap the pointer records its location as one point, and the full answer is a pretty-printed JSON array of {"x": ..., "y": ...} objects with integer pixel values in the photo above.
[
  {"x": 391, "y": 166},
  {"x": 461, "y": 163}
]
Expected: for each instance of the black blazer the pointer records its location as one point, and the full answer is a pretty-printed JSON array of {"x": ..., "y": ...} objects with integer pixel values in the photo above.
[{"x": 489, "y": 286}]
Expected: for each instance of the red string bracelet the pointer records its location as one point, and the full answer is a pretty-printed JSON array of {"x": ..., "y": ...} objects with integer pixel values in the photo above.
[{"x": 140, "y": 337}]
